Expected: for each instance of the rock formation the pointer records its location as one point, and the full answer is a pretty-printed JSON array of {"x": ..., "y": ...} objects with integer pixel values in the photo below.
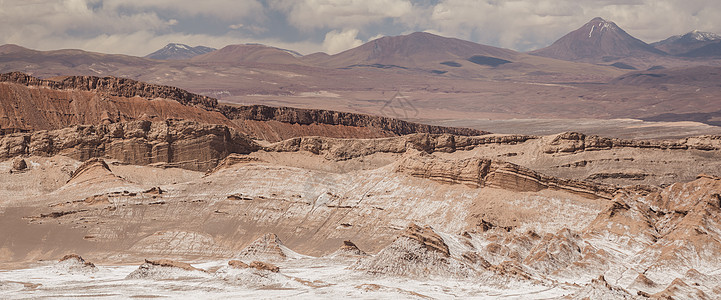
[
  {"x": 601, "y": 289},
  {"x": 19, "y": 165},
  {"x": 477, "y": 172},
  {"x": 571, "y": 142},
  {"x": 30, "y": 103},
  {"x": 416, "y": 252},
  {"x": 237, "y": 264},
  {"x": 267, "y": 247},
  {"x": 183, "y": 144},
  {"x": 318, "y": 116},
  {"x": 165, "y": 269},
  {"x": 74, "y": 264},
  {"x": 340, "y": 149},
  {"x": 113, "y": 86},
  {"x": 349, "y": 249},
  {"x": 264, "y": 266}
]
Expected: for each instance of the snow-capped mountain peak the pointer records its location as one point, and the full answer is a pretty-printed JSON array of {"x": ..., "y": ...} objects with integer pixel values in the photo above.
[
  {"x": 599, "y": 25},
  {"x": 703, "y": 36}
]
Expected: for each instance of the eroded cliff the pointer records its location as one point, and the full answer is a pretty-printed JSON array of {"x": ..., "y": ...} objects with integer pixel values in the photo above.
[{"x": 185, "y": 144}]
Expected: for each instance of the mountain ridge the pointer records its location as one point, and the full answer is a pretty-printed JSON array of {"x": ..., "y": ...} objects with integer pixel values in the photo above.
[
  {"x": 597, "y": 41},
  {"x": 177, "y": 51}
]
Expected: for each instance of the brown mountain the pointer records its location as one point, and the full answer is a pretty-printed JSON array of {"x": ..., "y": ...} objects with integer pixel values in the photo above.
[
  {"x": 28, "y": 103},
  {"x": 175, "y": 51},
  {"x": 423, "y": 52},
  {"x": 709, "y": 50},
  {"x": 598, "y": 41},
  {"x": 680, "y": 44},
  {"x": 419, "y": 49},
  {"x": 249, "y": 53}
]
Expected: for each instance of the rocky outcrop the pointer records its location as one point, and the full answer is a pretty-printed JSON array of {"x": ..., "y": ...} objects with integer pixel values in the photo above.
[
  {"x": 268, "y": 247},
  {"x": 234, "y": 159},
  {"x": 19, "y": 165},
  {"x": 470, "y": 172},
  {"x": 601, "y": 289},
  {"x": 318, "y": 116},
  {"x": 571, "y": 142},
  {"x": 165, "y": 269},
  {"x": 428, "y": 238},
  {"x": 172, "y": 264},
  {"x": 340, "y": 149},
  {"x": 264, "y": 266},
  {"x": 351, "y": 248},
  {"x": 263, "y": 122},
  {"x": 88, "y": 166},
  {"x": 113, "y": 86},
  {"x": 479, "y": 172},
  {"x": 555, "y": 251},
  {"x": 73, "y": 263},
  {"x": 416, "y": 252},
  {"x": 175, "y": 143},
  {"x": 237, "y": 264}
]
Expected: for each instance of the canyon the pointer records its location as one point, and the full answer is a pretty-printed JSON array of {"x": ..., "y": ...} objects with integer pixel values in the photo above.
[
  {"x": 194, "y": 197},
  {"x": 415, "y": 166}
]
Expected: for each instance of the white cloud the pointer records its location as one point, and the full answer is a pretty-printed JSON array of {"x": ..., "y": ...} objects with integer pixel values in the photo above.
[
  {"x": 226, "y": 10},
  {"x": 313, "y": 14},
  {"x": 529, "y": 24},
  {"x": 336, "y": 41},
  {"x": 139, "y": 26}
]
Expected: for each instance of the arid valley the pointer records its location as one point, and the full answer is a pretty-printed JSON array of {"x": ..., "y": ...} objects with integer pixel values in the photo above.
[{"x": 411, "y": 166}]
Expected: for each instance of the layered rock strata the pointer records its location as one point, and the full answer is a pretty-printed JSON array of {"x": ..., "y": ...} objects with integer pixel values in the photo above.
[
  {"x": 183, "y": 144},
  {"x": 340, "y": 149},
  {"x": 282, "y": 121},
  {"x": 479, "y": 172},
  {"x": 571, "y": 142}
]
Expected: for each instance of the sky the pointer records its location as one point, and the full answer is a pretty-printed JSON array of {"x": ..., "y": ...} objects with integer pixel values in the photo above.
[{"x": 139, "y": 27}]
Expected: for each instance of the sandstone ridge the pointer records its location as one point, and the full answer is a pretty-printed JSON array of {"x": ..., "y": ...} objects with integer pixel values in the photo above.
[
  {"x": 113, "y": 86},
  {"x": 183, "y": 144},
  {"x": 570, "y": 142},
  {"x": 479, "y": 172},
  {"x": 340, "y": 149},
  {"x": 200, "y": 108}
]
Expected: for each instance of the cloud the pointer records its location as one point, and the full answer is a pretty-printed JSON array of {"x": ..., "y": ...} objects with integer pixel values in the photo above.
[
  {"x": 226, "y": 10},
  {"x": 314, "y": 14},
  {"x": 137, "y": 27},
  {"x": 336, "y": 41}
]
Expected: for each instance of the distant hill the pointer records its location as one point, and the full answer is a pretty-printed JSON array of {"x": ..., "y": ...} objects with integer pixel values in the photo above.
[
  {"x": 710, "y": 50},
  {"x": 416, "y": 50},
  {"x": 174, "y": 51},
  {"x": 680, "y": 44},
  {"x": 597, "y": 41},
  {"x": 250, "y": 53},
  {"x": 699, "y": 76}
]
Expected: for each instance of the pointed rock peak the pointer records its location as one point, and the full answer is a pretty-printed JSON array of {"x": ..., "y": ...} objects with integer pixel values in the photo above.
[
  {"x": 75, "y": 257},
  {"x": 73, "y": 263},
  {"x": 702, "y": 36},
  {"x": 598, "y": 26},
  {"x": 268, "y": 246},
  {"x": 350, "y": 247},
  {"x": 427, "y": 237},
  {"x": 90, "y": 165}
]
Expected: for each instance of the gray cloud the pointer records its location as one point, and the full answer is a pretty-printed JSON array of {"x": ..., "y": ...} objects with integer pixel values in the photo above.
[{"x": 139, "y": 27}]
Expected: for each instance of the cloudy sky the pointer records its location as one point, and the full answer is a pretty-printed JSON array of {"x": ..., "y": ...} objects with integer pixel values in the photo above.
[{"x": 138, "y": 27}]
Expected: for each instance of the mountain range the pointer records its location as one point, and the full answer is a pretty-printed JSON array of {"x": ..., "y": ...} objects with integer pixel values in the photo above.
[
  {"x": 682, "y": 44},
  {"x": 447, "y": 78},
  {"x": 245, "y": 172}
]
